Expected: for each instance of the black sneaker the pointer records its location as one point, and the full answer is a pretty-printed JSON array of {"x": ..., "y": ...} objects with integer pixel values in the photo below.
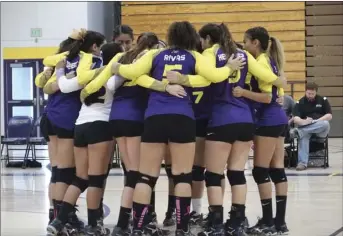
[
  {"x": 96, "y": 231},
  {"x": 117, "y": 231},
  {"x": 281, "y": 229},
  {"x": 154, "y": 217},
  {"x": 149, "y": 230},
  {"x": 262, "y": 229},
  {"x": 206, "y": 221},
  {"x": 51, "y": 215},
  {"x": 246, "y": 224},
  {"x": 215, "y": 230},
  {"x": 195, "y": 219},
  {"x": 232, "y": 230},
  {"x": 170, "y": 219},
  {"x": 180, "y": 232},
  {"x": 74, "y": 221},
  {"x": 55, "y": 228}
]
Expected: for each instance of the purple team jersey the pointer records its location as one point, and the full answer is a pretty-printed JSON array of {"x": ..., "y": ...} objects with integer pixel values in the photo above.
[
  {"x": 270, "y": 114},
  {"x": 201, "y": 102},
  {"x": 64, "y": 107},
  {"x": 227, "y": 109},
  {"x": 129, "y": 103},
  {"x": 161, "y": 102}
]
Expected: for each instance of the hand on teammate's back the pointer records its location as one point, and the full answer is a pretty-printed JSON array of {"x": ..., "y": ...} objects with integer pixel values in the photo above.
[
  {"x": 237, "y": 91},
  {"x": 48, "y": 73},
  {"x": 176, "y": 90},
  {"x": 173, "y": 77},
  {"x": 236, "y": 63}
]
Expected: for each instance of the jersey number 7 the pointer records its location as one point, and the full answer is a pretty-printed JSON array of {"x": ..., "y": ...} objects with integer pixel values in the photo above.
[{"x": 198, "y": 95}]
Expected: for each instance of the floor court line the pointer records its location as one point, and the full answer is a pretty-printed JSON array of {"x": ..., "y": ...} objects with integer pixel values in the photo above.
[{"x": 337, "y": 232}]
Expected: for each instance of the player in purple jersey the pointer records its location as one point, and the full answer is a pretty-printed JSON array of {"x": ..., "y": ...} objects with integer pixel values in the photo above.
[
  {"x": 127, "y": 123},
  {"x": 271, "y": 123},
  {"x": 64, "y": 110},
  {"x": 202, "y": 108},
  {"x": 229, "y": 134},
  {"x": 169, "y": 120},
  {"x": 46, "y": 127}
]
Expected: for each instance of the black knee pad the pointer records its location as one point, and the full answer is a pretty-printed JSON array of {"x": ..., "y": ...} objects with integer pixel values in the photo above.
[
  {"x": 236, "y": 177},
  {"x": 261, "y": 175},
  {"x": 147, "y": 179},
  {"x": 212, "y": 179},
  {"x": 96, "y": 181},
  {"x": 168, "y": 171},
  {"x": 198, "y": 173},
  {"x": 183, "y": 178},
  {"x": 80, "y": 183},
  {"x": 278, "y": 175},
  {"x": 53, "y": 174},
  {"x": 222, "y": 177},
  {"x": 132, "y": 178},
  {"x": 65, "y": 175}
]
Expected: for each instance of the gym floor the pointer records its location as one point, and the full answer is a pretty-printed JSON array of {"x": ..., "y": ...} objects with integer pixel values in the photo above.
[{"x": 314, "y": 202}]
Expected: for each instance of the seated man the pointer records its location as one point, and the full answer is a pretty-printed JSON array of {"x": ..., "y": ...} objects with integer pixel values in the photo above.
[{"x": 312, "y": 114}]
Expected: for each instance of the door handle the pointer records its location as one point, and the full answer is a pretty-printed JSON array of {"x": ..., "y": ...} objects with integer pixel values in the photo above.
[{"x": 41, "y": 100}]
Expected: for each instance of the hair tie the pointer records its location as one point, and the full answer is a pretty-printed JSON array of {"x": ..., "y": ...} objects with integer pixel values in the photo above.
[{"x": 78, "y": 35}]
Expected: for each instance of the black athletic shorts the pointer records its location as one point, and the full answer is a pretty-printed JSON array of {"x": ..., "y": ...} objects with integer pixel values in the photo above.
[
  {"x": 62, "y": 133},
  {"x": 91, "y": 133},
  {"x": 126, "y": 128},
  {"x": 230, "y": 133},
  {"x": 46, "y": 127},
  {"x": 169, "y": 128},
  {"x": 201, "y": 128},
  {"x": 271, "y": 131}
]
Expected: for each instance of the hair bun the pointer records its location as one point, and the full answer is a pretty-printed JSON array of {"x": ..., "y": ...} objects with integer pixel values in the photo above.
[{"x": 78, "y": 34}]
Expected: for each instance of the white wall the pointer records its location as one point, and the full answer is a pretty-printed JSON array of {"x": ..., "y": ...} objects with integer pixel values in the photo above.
[{"x": 56, "y": 19}]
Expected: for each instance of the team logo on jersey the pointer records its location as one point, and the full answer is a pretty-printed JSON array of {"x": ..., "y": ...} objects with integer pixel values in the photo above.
[{"x": 71, "y": 65}]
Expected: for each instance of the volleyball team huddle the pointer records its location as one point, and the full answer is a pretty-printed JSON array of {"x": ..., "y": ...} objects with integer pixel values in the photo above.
[{"x": 196, "y": 102}]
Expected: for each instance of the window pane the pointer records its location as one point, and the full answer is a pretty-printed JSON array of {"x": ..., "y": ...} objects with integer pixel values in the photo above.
[
  {"x": 22, "y": 111},
  {"x": 22, "y": 86}
]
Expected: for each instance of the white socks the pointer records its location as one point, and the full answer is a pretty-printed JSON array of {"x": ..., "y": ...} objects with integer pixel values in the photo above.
[{"x": 196, "y": 205}]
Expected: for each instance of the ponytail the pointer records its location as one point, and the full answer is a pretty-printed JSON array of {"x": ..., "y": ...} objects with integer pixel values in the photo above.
[
  {"x": 226, "y": 42},
  {"x": 78, "y": 37},
  {"x": 277, "y": 53},
  {"x": 146, "y": 41},
  {"x": 84, "y": 40}
]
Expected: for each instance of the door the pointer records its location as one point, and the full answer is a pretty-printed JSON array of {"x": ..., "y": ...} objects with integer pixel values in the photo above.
[{"x": 22, "y": 97}]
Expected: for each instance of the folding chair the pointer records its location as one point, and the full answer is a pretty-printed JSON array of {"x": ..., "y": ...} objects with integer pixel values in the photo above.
[
  {"x": 33, "y": 141},
  {"x": 18, "y": 131},
  {"x": 319, "y": 150}
]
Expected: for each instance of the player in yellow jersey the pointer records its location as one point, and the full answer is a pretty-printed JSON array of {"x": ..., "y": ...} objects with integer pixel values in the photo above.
[
  {"x": 230, "y": 130},
  {"x": 46, "y": 127},
  {"x": 170, "y": 120},
  {"x": 271, "y": 122},
  {"x": 65, "y": 108}
]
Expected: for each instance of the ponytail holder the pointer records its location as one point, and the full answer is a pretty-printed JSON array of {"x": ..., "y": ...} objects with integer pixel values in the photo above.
[{"x": 78, "y": 35}]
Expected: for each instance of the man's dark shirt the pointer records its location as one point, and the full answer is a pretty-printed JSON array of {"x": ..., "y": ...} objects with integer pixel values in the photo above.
[{"x": 315, "y": 109}]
